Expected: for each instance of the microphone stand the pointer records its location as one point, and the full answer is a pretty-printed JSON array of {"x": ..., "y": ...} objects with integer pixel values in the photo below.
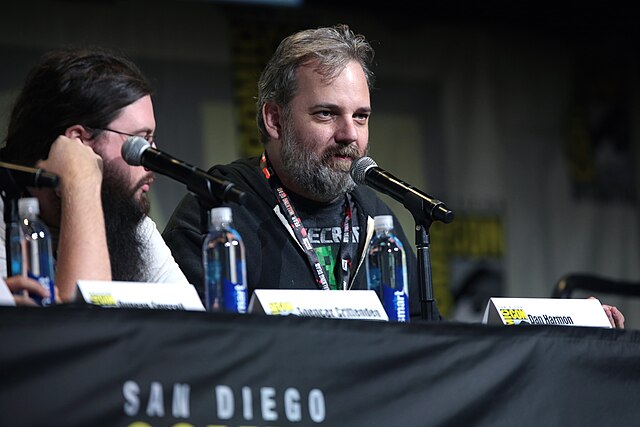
[
  {"x": 208, "y": 200},
  {"x": 427, "y": 299},
  {"x": 205, "y": 207},
  {"x": 423, "y": 220}
]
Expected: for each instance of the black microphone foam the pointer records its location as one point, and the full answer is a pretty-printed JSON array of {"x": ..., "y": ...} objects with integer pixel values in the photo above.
[
  {"x": 137, "y": 151},
  {"x": 365, "y": 171},
  {"x": 24, "y": 176}
]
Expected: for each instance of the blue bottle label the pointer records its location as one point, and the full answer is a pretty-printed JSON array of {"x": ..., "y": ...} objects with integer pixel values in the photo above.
[
  {"x": 231, "y": 297},
  {"x": 234, "y": 296},
  {"x": 46, "y": 283},
  {"x": 396, "y": 304}
]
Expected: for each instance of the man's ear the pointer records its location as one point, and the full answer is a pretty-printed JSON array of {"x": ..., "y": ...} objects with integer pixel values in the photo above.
[
  {"x": 80, "y": 132},
  {"x": 272, "y": 115}
]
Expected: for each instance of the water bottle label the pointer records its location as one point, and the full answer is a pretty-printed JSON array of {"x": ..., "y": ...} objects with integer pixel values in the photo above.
[
  {"x": 396, "y": 304},
  {"x": 46, "y": 283},
  {"x": 234, "y": 296}
]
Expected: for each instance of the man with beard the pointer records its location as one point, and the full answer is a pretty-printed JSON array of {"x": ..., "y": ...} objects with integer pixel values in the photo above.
[
  {"x": 307, "y": 225},
  {"x": 96, "y": 99}
]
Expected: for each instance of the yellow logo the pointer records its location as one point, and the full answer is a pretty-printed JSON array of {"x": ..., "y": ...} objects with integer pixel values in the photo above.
[
  {"x": 104, "y": 300},
  {"x": 513, "y": 316},
  {"x": 281, "y": 308}
]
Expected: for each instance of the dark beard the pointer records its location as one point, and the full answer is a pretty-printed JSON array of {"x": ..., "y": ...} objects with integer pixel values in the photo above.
[
  {"x": 314, "y": 174},
  {"x": 122, "y": 216}
]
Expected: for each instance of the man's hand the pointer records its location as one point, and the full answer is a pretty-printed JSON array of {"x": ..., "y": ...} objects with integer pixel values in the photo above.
[
  {"x": 22, "y": 286},
  {"x": 615, "y": 316}
]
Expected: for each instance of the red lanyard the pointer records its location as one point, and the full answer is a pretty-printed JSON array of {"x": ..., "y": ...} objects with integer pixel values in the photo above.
[{"x": 300, "y": 232}]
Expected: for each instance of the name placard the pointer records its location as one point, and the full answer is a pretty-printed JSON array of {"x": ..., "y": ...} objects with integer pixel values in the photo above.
[
  {"x": 161, "y": 296},
  {"x": 356, "y": 304},
  {"x": 546, "y": 311}
]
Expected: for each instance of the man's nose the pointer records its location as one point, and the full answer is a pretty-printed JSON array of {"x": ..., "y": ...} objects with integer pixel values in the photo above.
[{"x": 347, "y": 131}]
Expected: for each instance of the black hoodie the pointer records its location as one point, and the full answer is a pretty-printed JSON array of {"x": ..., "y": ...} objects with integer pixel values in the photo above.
[{"x": 274, "y": 258}]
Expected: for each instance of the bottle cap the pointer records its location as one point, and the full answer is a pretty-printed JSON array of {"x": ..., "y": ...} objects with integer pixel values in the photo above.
[
  {"x": 28, "y": 205},
  {"x": 220, "y": 215},
  {"x": 383, "y": 222}
]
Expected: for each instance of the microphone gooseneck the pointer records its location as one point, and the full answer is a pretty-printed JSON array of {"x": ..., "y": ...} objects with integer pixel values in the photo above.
[
  {"x": 12, "y": 175},
  {"x": 137, "y": 151},
  {"x": 365, "y": 171}
]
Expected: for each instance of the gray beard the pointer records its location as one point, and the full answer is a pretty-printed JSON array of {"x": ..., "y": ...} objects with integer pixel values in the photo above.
[{"x": 315, "y": 174}]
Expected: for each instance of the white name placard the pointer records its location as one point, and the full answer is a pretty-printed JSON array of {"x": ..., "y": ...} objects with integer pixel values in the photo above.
[
  {"x": 163, "y": 296},
  {"x": 361, "y": 304},
  {"x": 546, "y": 311}
]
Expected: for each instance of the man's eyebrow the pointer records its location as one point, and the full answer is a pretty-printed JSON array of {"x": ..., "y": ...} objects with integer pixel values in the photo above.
[{"x": 331, "y": 106}]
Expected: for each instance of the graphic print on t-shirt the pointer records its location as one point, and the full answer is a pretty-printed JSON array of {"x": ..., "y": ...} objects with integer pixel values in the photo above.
[{"x": 326, "y": 242}]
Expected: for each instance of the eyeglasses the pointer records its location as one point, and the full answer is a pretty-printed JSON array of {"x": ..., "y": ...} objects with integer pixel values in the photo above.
[{"x": 149, "y": 137}]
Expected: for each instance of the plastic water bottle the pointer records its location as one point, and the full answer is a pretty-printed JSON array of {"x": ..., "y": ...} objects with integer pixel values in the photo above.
[
  {"x": 38, "y": 252},
  {"x": 225, "y": 274},
  {"x": 14, "y": 238},
  {"x": 386, "y": 266}
]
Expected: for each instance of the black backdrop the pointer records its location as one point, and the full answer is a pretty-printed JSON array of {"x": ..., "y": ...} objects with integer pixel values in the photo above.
[{"x": 82, "y": 366}]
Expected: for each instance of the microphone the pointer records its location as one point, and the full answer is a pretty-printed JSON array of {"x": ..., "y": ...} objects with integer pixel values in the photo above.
[
  {"x": 137, "y": 151},
  {"x": 25, "y": 176},
  {"x": 365, "y": 171}
]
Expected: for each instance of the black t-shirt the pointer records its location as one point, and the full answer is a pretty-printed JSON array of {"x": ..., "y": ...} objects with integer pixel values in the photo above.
[{"x": 324, "y": 225}]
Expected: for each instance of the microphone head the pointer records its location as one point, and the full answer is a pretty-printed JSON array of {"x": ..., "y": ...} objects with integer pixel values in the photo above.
[
  {"x": 18, "y": 177},
  {"x": 46, "y": 179},
  {"x": 359, "y": 169},
  {"x": 133, "y": 148}
]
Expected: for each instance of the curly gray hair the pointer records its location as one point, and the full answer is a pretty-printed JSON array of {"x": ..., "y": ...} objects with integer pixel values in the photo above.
[{"x": 330, "y": 48}]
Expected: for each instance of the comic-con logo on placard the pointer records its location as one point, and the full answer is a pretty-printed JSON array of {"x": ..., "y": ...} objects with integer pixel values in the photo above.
[{"x": 514, "y": 316}]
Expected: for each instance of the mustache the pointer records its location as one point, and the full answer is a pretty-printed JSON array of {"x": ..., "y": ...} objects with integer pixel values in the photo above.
[
  {"x": 348, "y": 151},
  {"x": 147, "y": 179}
]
